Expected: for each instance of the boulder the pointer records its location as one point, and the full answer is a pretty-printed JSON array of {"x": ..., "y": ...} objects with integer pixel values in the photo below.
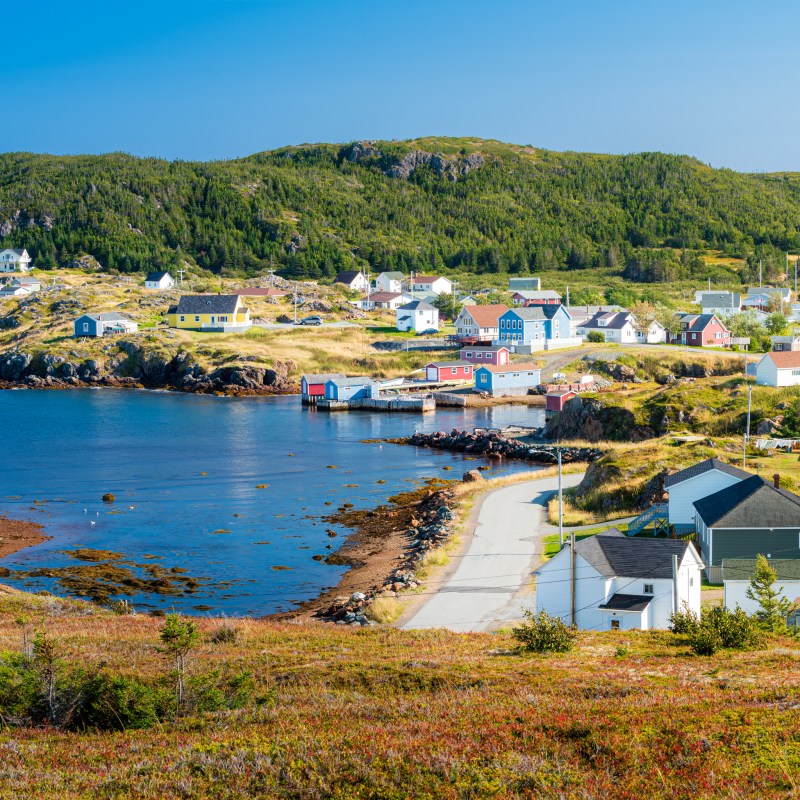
[{"x": 473, "y": 476}]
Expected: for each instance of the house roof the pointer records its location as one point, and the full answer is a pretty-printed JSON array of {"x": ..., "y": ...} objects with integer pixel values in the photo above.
[
  {"x": 721, "y": 300},
  {"x": 417, "y": 305},
  {"x": 755, "y": 291},
  {"x": 785, "y": 359},
  {"x": 615, "y": 555},
  {"x": 702, "y": 467},
  {"x": 347, "y": 277},
  {"x": 486, "y": 316},
  {"x": 16, "y": 250},
  {"x": 485, "y": 348},
  {"x": 108, "y": 316},
  {"x": 560, "y": 393},
  {"x": 428, "y": 278},
  {"x": 537, "y": 312},
  {"x": 207, "y": 304},
  {"x": 352, "y": 380},
  {"x": 449, "y": 364},
  {"x": 382, "y": 297},
  {"x": 753, "y": 503},
  {"x": 157, "y": 276},
  {"x": 614, "y": 320},
  {"x": 394, "y": 276},
  {"x": 697, "y": 322},
  {"x": 627, "y": 602},
  {"x": 544, "y": 294},
  {"x": 742, "y": 569},
  {"x": 255, "y": 291},
  {"x": 321, "y": 377},
  {"x": 501, "y": 368},
  {"x": 25, "y": 281}
]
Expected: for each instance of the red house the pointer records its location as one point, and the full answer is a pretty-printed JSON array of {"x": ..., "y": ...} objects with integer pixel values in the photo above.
[
  {"x": 440, "y": 371},
  {"x": 485, "y": 355},
  {"x": 554, "y": 401},
  {"x": 312, "y": 386},
  {"x": 543, "y": 298},
  {"x": 701, "y": 330}
]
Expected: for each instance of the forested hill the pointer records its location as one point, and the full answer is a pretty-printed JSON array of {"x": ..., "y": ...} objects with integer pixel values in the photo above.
[{"x": 427, "y": 204}]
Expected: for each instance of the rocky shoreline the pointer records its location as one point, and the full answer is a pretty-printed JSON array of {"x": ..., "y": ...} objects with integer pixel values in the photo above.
[
  {"x": 133, "y": 367},
  {"x": 492, "y": 444}
]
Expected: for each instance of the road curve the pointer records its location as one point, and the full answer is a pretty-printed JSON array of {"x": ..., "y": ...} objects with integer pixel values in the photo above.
[{"x": 505, "y": 547}]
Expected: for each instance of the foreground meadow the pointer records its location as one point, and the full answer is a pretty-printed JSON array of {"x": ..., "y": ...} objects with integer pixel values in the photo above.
[{"x": 333, "y": 712}]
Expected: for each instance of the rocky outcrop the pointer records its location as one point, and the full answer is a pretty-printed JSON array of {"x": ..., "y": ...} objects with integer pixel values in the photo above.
[
  {"x": 134, "y": 366},
  {"x": 590, "y": 420},
  {"x": 493, "y": 445},
  {"x": 404, "y": 167}
]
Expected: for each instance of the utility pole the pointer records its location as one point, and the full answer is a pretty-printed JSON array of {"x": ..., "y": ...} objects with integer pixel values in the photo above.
[
  {"x": 560, "y": 504},
  {"x": 567, "y": 296},
  {"x": 180, "y": 274},
  {"x": 369, "y": 284},
  {"x": 572, "y": 576},
  {"x": 455, "y": 285},
  {"x": 295, "y": 302},
  {"x": 411, "y": 284},
  {"x": 795, "y": 279},
  {"x": 760, "y": 274},
  {"x": 709, "y": 284},
  {"x": 674, "y": 584},
  {"x": 747, "y": 432}
]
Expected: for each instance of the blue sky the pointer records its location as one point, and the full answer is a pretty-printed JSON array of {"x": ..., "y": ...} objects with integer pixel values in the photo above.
[{"x": 225, "y": 78}]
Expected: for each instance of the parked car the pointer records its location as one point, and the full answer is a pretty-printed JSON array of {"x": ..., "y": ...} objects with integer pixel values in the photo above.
[
  {"x": 311, "y": 321},
  {"x": 429, "y": 332}
]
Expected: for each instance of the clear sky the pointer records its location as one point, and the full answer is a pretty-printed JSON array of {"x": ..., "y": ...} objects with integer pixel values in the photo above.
[{"x": 213, "y": 79}]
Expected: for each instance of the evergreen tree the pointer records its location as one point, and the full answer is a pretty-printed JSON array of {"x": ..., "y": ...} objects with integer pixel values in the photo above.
[{"x": 773, "y": 607}]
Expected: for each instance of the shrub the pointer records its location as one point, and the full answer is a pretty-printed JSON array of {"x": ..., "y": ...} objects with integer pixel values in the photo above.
[
  {"x": 720, "y": 628},
  {"x": 595, "y": 337},
  {"x": 225, "y": 634},
  {"x": 542, "y": 633},
  {"x": 114, "y": 702},
  {"x": 705, "y": 640},
  {"x": 684, "y": 621}
]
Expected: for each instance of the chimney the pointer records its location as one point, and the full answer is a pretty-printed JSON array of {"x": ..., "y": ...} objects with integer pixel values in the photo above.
[{"x": 776, "y": 481}]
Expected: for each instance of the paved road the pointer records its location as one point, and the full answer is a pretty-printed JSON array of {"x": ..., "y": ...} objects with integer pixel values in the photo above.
[
  {"x": 505, "y": 548},
  {"x": 280, "y": 326}
]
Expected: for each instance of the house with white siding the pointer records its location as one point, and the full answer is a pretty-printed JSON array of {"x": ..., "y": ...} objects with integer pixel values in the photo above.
[
  {"x": 479, "y": 323},
  {"x": 695, "y": 483},
  {"x": 779, "y": 368},
  {"x": 390, "y": 282},
  {"x": 418, "y": 316},
  {"x": 620, "y": 583},
  {"x": 159, "y": 281},
  {"x": 355, "y": 281},
  {"x": 736, "y": 575},
  {"x": 723, "y": 304},
  {"x": 429, "y": 283},
  {"x": 15, "y": 260}
]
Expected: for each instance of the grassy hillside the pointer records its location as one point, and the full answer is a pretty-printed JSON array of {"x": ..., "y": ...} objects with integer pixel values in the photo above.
[
  {"x": 327, "y": 712},
  {"x": 467, "y": 205}
]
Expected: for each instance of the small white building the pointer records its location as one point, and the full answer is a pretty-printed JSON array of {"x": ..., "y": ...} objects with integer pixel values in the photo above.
[
  {"x": 621, "y": 583},
  {"x": 696, "y": 482},
  {"x": 20, "y": 287},
  {"x": 430, "y": 283},
  {"x": 159, "y": 280},
  {"x": 616, "y": 327},
  {"x": 418, "y": 316},
  {"x": 353, "y": 280},
  {"x": 736, "y": 575},
  {"x": 779, "y": 368},
  {"x": 389, "y": 282},
  {"x": 381, "y": 300},
  {"x": 14, "y": 260},
  {"x": 723, "y": 304}
]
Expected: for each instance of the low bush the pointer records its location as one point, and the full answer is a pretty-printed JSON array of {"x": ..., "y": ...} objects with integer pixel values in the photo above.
[
  {"x": 684, "y": 622},
  {"x": 595, "y": 337},
  {"x": 720, "y": 628},
  {"x": 542, "y": 633}
]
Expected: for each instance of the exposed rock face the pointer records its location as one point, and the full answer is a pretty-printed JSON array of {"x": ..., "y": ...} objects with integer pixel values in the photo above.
[
  {"x": 443, "y": 166},
  {"x": 137, "y": 367},
  {"x": 589, "y": 419}
]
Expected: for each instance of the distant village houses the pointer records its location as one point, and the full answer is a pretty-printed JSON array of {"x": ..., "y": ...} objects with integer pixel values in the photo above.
[
  {"x": 210, "y": 312},
  {"x": 429, "y": 284},
  {"x": 159, "y": 280},
  {"x": 479, "y": 324},
  {"x": 353, "y": 280},
  {"x": 701, "y": 330},
  {"x": 15, "y": 260},
  {"x": 417, "y": 316}
]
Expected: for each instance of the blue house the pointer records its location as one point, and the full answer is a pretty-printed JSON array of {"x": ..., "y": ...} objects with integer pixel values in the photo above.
[
  {"x": 103, "y": 325},
  {"x": 507, "y": 380},
  {"x": 534, "y": 325},
  {"x": 353, "y": 388}
]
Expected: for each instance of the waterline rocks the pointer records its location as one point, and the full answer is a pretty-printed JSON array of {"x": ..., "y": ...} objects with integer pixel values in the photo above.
[{"x": 492, "y": 444}]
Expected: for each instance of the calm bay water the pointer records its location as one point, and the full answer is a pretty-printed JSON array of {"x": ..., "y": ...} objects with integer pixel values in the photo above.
[{"x": 181, "y": 466}]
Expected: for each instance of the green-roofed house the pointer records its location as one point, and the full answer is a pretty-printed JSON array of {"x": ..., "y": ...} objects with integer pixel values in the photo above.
[{"x": 736, "y": 575}]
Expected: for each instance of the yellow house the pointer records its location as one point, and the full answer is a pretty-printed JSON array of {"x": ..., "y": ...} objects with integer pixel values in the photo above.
[{"x": 209, "y": 312}]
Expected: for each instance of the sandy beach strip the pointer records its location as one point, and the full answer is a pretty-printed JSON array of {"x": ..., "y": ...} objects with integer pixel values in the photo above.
[{"x": 16, "y": 535}]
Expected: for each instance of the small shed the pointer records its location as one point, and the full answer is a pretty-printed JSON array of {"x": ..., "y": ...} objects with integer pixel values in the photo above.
[
  {"x": 555, "y": 401},
  {"x": 439, "y": 371},
  {"x": 357, "y": 387},
  {"x": 508, "y": 380},
  {"x": 485, "y": 355},
  {"x": 312, "y": 385},
  {"x": 159, "y": 280}
]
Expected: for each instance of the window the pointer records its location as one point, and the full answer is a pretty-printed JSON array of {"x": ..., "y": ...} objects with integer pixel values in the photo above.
[
  {"x": 197, "y": 318},
  {"x": 454, "y": 370},
  {"x": 691, "y": 581},
  {"x": 614, "y": 624},
  {"x": 85, "y": 327},
  {"x": 183, "y": 319},
  {"x": 484, "y": 377},
  {"x": 648, "y": 588},
  {"x": 479, "y": 355},
  {"x": 796, "y": 372},
  {"x": 222, "y": 319}
]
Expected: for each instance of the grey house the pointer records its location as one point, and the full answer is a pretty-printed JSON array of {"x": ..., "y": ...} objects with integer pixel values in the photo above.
[
  {"x": 749, "y": 518},
  {"x": 103, "y": 325}
]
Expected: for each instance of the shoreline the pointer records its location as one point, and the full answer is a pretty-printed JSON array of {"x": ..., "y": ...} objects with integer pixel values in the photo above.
[{"x": 16, "y": 535}]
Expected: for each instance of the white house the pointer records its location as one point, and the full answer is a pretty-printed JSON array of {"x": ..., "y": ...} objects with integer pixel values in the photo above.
[
  {"x": 736, "y": 575},
  {"x": 696, "y": 482},
  {"x": 479, "y": 323},
  {"x": 353, "y": 280},
  {"x": 430, "y": 283},
  {"x": 382, "y": 300},
  {"x": 14, "y": 260},
  {"x": 20, "y": 287},
  {"x": 159, "y": 280},
  {"x": 389, "y": 282},
  {"x": 782, "y": 343},
  {"x": 621, "y": 583},
  {"x": 418, "y": 317},
  {"x": 779, "y": 368},
  {"x": 761, "y": 296},
  {"x": 723, "y": 304},
  {"x": 615, "y": 326}
]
